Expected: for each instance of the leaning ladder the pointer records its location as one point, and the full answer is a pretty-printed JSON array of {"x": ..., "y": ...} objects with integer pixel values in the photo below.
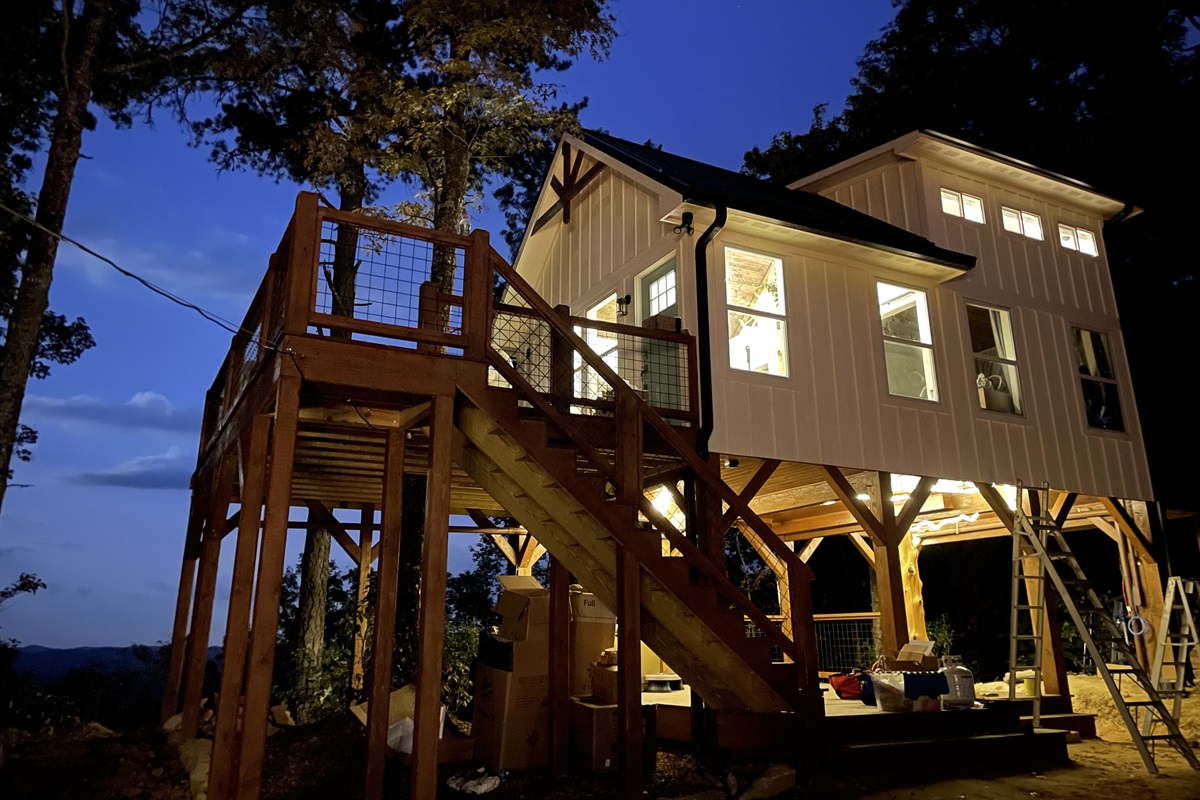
[
  {"x": 1029, "y": 570},
  {"x": 1040, "y": 536},
  {"x": 1176, "y": 638}
]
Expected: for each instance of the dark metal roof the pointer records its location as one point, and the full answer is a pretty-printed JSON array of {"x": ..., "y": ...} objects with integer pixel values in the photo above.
[{"x": 709, "y": 185}]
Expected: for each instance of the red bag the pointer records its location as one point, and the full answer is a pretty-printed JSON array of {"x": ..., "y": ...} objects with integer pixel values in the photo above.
[{"x": 846, "y": 687}]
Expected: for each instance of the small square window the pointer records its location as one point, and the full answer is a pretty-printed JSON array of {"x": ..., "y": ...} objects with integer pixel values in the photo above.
[
  {"x": 1011, "y": 220},
  {"x": 1073, "y": 238},
  {"x": 967, "y": 206},
  {"x": 1032, "y": 224}
]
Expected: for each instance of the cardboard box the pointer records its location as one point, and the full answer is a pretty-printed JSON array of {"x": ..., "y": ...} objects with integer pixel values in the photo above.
[
  {"x": 401, "y": 711},
  {"x": 586, "y": 608},
  {"x": 512, "y": 719},
  {"x": 592, "y": 633},
  {"x": 916, "y": 656},
  {"x": 604, "y": 683},
  {"x": 524, "y": 608},
  {"x": 593, "y": 735},
  {"x": 523, "y": 658}
]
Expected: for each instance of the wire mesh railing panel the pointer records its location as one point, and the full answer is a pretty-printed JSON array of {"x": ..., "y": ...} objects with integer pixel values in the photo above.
[
  {"x": 755, "y": 632},
  {"x": 845, "y": 644},
  {"x": 376, "y": 276},
  {"x": 656, "y": 368},
  {"x": 523, "y": 340}
]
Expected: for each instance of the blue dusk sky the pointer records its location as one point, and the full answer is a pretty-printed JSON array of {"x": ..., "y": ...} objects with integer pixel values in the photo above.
[{"x": 101, "y": 518}]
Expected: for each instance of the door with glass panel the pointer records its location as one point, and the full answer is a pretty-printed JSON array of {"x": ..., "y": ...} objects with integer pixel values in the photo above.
[{"x": 662, "y": 363}]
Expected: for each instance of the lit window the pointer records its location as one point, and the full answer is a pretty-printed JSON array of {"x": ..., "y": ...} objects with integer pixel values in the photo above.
[
  {"x": 907, "y": 342},
  {"x": 967, "y": 206},
  {"x": 1078, "y": 239},
  {"x": 996, "y": 381},
  {"x": 1021, "y": 222},
  {"x": 755, "y": 299},
  {"x": 587, "y": 383},
  {"x": 1101, "y": 397},
  {"x": 662, "y": 293}
]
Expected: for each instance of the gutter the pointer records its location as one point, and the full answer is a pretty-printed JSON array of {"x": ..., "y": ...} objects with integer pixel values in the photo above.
[{"x": 703, "y": 331}]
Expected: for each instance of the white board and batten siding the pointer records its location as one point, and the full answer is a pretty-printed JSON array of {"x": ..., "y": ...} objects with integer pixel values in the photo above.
[
  {"x": 614, "y": 235},
  {"x": 1048, "y": 290}
]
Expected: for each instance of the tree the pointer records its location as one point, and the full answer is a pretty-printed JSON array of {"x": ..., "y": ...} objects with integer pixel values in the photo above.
[{"x": 1106, "y": 92}]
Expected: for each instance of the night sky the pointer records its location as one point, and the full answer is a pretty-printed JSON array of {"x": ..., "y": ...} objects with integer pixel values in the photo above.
[{"x": 102, "y": 518}]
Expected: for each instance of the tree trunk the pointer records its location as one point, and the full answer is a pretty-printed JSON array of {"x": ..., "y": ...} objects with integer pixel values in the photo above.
[
  {"x": 450, "y": 200},
  {"x": 310, "y": 655},
  {"x": 33, "y": 296},
  {"x": 314, "y": 566}
]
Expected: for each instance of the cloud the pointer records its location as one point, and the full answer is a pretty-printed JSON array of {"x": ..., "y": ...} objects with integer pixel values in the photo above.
[
  {"x": 171, "y": 470},
  {"x": 145, "y": 411}
]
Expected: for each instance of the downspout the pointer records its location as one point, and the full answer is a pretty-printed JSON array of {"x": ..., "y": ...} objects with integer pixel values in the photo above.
[{"x": 703, "y": 331}]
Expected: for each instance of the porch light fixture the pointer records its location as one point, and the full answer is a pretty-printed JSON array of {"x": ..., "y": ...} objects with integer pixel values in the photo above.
[
  {"x": 829, "y": 502},
  {"x": 862, "y": 496},
  {"x": 623, "y": 305}
]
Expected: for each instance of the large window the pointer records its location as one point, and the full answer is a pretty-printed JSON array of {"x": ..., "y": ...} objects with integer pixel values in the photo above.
[
  {"x": 756, "y": 308},
  {"x": 1101, "y": 398},
  {"x": 996, "y": 381},
  {"x": 907, "y": 342},
  {"x": 967, "y": 206}
]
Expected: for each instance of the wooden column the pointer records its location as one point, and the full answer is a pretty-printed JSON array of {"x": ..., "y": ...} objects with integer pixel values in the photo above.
[
  {"x": 629, "y": 673},
  {"x": 183, "y": 607},
  {"x": 206, "y": 590},
  {"x": 560, "y": 666},
  {"x": 265, "y": 622},
  {"x": 383, "y": 641},
  {"x": 366, "y": 536},
  {"x": 888, "y": 572},
  {"x": 432, "y": 621},
  {"x": 914, "y": 597},
  {"x": 237, "y": 625}
]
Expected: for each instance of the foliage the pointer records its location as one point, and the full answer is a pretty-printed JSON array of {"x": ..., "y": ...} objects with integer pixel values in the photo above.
[
  {"x": 941, "y": 634},
  {"x": 1105, "y": 92},
  {"x": 750, "y": 573}
]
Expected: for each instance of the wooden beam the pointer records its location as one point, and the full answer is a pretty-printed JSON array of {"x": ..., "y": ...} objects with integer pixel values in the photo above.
[
  {"x": 432, "y": 614},
  {"x": 269, "y": 581},
  {"x": 1060, "y": 510},
  {"x": 569, "y": 191},
  {"x": 560, "y": 666},
  {"x": 849, "y": 497},
  {"x": 386, "y": 590},
  {"x": 1125, "y": 523},
  {"x": 809, "y": 548},
  {"x": 893, "y": 621},
  {"x": 366, "y": 416},
  {"x": 629, "y": 673},
  {"x": 361, "y": 586},
  {"x": 996, "y": 502},
  {"x": 912, "y": 506},
  {"x": 864, "y": 548},
  {"x": 183, "y": 607},
  {"x": 206, "y": 589},
  {"x": 533, "y": 554},
  {"x": 335, "y": 527},
  {"x": 237, "y": 623},
  {"x": 765, "y": 470}
]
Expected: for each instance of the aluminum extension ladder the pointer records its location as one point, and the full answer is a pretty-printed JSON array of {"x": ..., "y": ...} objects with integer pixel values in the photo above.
[
  {"x": 1177, "y": 637},
  {"x": 1036, "y": 535}
]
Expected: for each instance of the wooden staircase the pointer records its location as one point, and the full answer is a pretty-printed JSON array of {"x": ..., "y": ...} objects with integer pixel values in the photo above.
[{"x": 585, "y": 485}]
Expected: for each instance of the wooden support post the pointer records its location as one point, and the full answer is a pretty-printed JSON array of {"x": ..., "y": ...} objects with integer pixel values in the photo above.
[
  {"x": 477, "y": 295},
  {"x": 560, "y": 666},
  {"x": 914, "y": 597},
  {"x": 183, "y": 606},
  {"x": 629, "y": 673},
  {"x": 383, "y": 641},
  {"x": 362, "y": 584},
  {"x": 432, "y": 618},
  {"x": 562, "y": 366},
  {"x": 206, "y": 591},
  {"x": 629, "y": 448},
  {"x": 265, "y": 623},
  {"x": 889, "y": 573},
  {"x": 237, "y": 625}
]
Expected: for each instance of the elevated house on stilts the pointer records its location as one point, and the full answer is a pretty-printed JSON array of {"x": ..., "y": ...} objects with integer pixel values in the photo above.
[{"x": 681, "y": 357}]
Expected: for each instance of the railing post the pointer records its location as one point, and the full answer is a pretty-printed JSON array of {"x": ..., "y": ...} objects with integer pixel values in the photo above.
[
  {"x": 629, "y": 446},
  {"x": 477, "y": 295},
  {"x": 429, "y": 313},
  {"x": 302, "y": 264},
  {"x": 561, "y": 366}
]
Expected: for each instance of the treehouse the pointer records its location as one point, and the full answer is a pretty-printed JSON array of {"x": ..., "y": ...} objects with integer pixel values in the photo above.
[{"x": 885, "y": 380}]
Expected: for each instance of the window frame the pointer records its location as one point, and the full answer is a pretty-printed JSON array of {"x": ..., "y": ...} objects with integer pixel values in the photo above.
[
  {"x": 768, "y": 315},
  {"x": 1022, "y": 229},
  {"x": 1014, "y": 362},
  {"x": 1114, "y": 381},
  {"x": 928, "y": 347},
  {"x": 1075, "y": 231},
  {"x": 962, "y": 205}
]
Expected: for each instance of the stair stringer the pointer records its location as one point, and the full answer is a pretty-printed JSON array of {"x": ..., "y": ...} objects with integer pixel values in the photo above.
[{"x": 584, "y": 545}]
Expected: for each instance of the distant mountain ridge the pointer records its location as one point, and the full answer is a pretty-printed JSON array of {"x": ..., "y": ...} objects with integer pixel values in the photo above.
[{"x": 51, "y": 663}]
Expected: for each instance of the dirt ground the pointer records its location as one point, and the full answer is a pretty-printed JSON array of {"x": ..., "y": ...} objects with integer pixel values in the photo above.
[{"x": 323, "y": 762}]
